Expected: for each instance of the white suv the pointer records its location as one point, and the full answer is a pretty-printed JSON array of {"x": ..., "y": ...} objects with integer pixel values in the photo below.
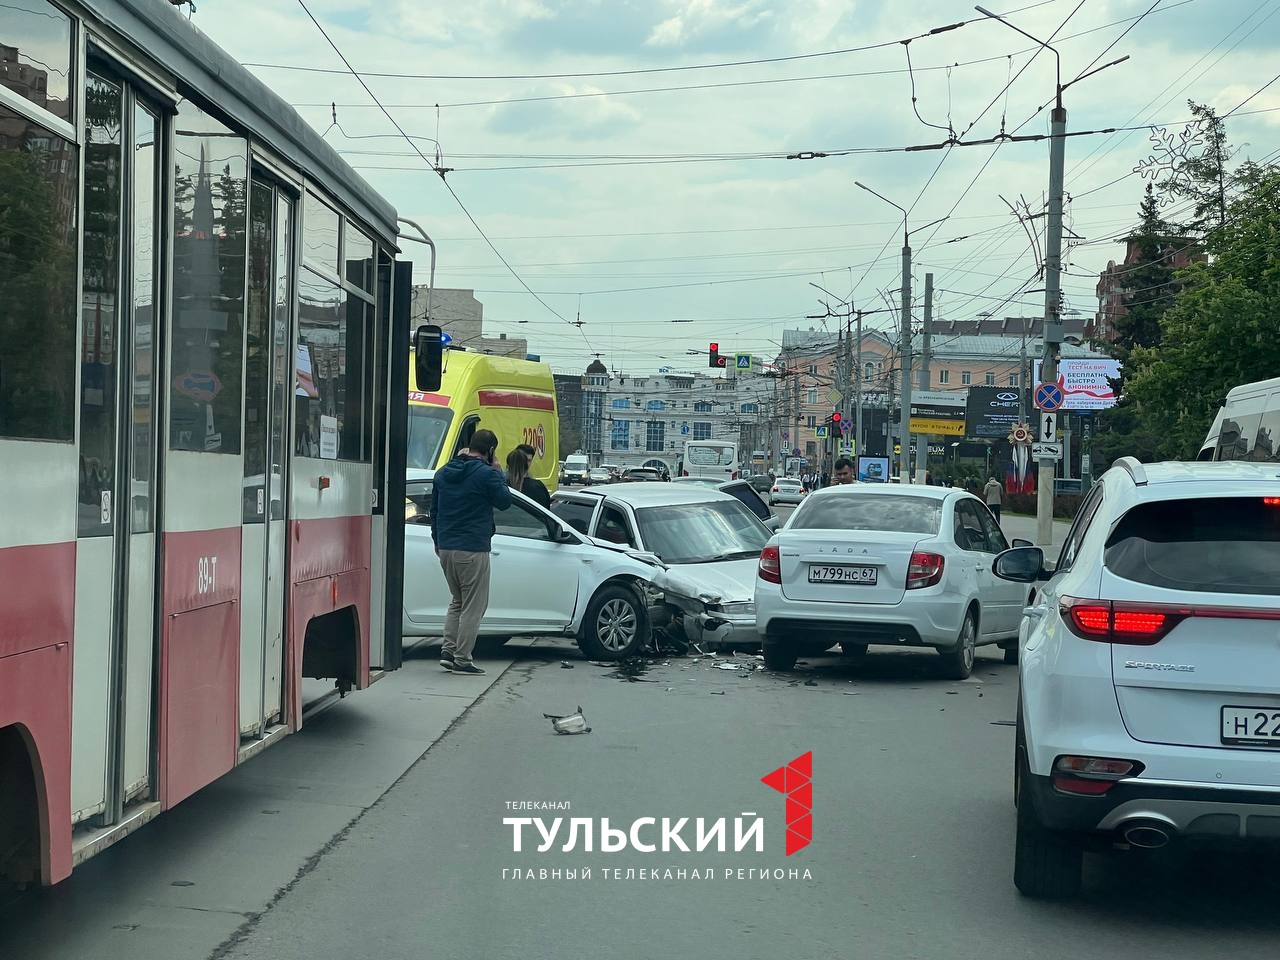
[{"x": 1149, "y": 703}]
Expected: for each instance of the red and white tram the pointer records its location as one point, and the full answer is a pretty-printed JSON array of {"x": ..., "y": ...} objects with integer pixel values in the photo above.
[{"x": 202, "y": 324}]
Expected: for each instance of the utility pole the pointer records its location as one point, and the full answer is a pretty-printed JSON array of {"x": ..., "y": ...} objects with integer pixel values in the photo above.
[
  {"x": 1052, "y": 270},
  {"x": 904, "y": 420},
  {"x": 922, "y": 440},
  {"x": 858, "y": 434},
  {"x": 1052, "y": 308}
]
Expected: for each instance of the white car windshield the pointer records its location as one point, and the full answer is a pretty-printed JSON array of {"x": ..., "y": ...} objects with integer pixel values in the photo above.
[
  {"x": 869, "y": 512},
  {"x": 427, "y": 427},
  {"x": 702, "y": 532}
]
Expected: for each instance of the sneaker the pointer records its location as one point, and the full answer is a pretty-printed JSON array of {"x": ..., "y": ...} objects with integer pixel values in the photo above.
[
  {"x": 468, "y": 667},
  {"x": 446, "y": 660}
]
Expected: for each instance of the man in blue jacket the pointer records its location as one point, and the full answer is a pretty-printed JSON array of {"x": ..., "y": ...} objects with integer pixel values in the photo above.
[{"x": 464, "y": 495}]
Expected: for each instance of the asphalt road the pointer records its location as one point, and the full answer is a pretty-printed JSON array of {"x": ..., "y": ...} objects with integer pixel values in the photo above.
[{"x": 912, "y": 834}]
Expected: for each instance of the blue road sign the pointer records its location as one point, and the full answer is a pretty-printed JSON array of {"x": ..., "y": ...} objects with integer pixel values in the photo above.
[
  {"x": 684, "y": 428},
  {"x": 743, "y": 361},
  {"x": 1048, "y": 396}
]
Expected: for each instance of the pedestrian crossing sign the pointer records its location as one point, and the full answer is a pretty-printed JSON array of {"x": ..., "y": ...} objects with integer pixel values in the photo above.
[
  {"x": 742, "y": 361},
  {"x": 821, "y": 432}
]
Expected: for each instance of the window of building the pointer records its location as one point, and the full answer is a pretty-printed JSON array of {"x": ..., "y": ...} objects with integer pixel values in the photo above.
[
  {"x": 810, "y": 421},
  {"x": 702, "y": 406},
  {"x": 35, "y": 55},
  {"x": 810, "y": 449},
  {"x": 813, "y": 369},
  {"x": 944, "y": 376},
  {"x": 868, "y": 370},
  {"x": 210, "y": 252},
  {"x": 701, "y": 430},
  {"x": 966, "y": 377},
  {"x": 990, "y": 380},
  {"x": 751, "y": 408},
  {"x": 811, "y": 396},
  {"x": 1013, "y": 379},
  {"x": 621, "y": 403},
  {"x": 621, "y": 435},
  {"x": 655, "y": 405},
  {"x": 40, "y": 176},
  {"x": 655, "y": 435}
]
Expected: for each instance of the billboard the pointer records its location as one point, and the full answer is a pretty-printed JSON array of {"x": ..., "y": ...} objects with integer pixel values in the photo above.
[
  {"x": 937, "y": 412},
  {"x": 992, "y": 412},
  {"x": 873, "y": 469},
  {"x": 1085, "y": 383}
]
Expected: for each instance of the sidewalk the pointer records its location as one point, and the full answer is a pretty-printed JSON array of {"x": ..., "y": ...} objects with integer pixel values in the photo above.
[
  {"x": 1024, "y": 527},
  {"x": 190, "y": 879}
]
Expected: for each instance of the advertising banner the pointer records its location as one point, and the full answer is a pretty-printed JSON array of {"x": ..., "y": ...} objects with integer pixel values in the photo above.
[
  {"x": 1085, "y": 383},
  {"x": 992, "y": 412},
  {"x": 937, "y": 412}
]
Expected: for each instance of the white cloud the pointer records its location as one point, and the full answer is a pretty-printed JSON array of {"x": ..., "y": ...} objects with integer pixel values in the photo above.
[{"x": 694, "y": 19}]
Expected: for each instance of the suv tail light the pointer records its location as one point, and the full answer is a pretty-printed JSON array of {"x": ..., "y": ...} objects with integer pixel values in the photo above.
[
  {"x": 925, "y": 570},
  {"x": 1110, "y": 621},
  {"x": 770, "y": 565},
  {"x": 1091, "y": 776}
]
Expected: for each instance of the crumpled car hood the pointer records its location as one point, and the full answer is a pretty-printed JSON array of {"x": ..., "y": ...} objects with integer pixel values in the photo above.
[{"x": 733, "y": 581}]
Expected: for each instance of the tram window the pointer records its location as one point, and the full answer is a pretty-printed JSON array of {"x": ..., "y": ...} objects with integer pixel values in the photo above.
[
  {"x": 332, "y": 388},
  {"x": 103, "y": 165},
  {"x": 39, "y": 176},
  {"x": 209, "y": 256},
  {"x": 358, "y": 254},
  {"x": 35, "y": 54},
  {"x": 319, "y": 235}
]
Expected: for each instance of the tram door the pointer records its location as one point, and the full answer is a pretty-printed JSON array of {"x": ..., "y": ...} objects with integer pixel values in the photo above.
[
  {"x": 269, "y": 321},
  {"x": 115, "y": 640}
]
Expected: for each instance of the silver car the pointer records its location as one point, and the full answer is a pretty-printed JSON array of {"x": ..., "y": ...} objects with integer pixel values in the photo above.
[{"x": 786, "y": 490}]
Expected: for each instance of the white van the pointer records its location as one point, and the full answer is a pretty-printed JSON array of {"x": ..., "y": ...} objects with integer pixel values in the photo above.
[
  {"x": 576, "y": 468},
  {"x": 1247, "y": 426}
]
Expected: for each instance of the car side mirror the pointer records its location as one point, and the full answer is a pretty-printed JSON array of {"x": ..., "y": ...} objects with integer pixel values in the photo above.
[
  {"x": 1020, "y": 564},
  {"x": 428, "y": 357},
  {"x": 1019, "y": 542},
  {"x": 561, "y": 535}
]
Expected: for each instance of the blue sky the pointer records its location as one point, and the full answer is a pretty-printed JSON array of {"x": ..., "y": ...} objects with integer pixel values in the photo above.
[{"x": 734, "y": 245}]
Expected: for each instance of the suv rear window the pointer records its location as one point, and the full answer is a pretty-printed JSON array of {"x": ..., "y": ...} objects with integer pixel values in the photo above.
[
  {"x": 870, "y": 512},
  {"x": 1217, "y": 545}
]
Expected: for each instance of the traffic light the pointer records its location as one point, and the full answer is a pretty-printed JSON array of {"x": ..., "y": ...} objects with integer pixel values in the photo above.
[
  {"x": 715, "y": 359},
  {"x": 835, "y": 417}
]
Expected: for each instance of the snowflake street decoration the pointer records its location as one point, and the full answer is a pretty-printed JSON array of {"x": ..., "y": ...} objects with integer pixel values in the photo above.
[{"x": 1169, "y": 155}]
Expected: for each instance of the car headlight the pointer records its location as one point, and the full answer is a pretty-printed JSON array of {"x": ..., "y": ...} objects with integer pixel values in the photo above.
[{"x": 744, "y": 608}]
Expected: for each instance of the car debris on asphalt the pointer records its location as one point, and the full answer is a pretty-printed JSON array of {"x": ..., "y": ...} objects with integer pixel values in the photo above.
[{"x": 570, "y": 724}]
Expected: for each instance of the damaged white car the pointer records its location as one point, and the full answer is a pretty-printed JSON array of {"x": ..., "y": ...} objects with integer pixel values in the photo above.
[
  {"x": 708, "y": 541},
  {"x": 546, "y": 580}
]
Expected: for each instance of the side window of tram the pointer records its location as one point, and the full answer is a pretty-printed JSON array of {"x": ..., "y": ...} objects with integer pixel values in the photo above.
[
  {"x": 334, "y": 377},
  {"x": 39, "y": 187},
  {"x": 209, "y": 253}
]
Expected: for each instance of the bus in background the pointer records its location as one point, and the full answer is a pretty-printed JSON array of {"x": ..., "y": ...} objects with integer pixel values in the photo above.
[
  {"x": 197, "y": 435},
  {"x": 1247, "y": 426},
  {"x": 715, "y": 459},
  {"x": 516, "y": 399}
]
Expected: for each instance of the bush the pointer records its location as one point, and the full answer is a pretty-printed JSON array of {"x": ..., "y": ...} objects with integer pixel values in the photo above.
[{"x": 1065, "y": 505}]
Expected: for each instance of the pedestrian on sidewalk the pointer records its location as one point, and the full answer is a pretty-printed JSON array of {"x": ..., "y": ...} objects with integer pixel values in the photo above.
[
  {"x": 993, "y": 493},
  {"x": 530, "y": 486},
  {"x": 464, "y": 495}
]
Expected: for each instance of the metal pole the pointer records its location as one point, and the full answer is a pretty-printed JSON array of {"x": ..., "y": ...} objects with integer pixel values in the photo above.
[
  {"x": 904, "y": 419},
  {"x": 922, "y": 440},
  {"x": 857, "y": 447},
  {"x": 1052, "y": 307}
]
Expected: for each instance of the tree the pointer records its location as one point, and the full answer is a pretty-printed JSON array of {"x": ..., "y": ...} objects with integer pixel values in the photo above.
[
  {"x": 1223, "y": 329},
  {"x": 1202, "y": 177},
  {"x": 1150, "y": 288}
]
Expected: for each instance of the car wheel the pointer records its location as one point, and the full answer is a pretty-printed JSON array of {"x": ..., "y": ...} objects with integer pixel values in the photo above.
[
  {"x": 777, "y": 656},
  {"x": 957, "y": 663},
  {"x": 616, "y": 624},
  {"x": 854, "y": 650},
  {"x": 1046, "y": 864}
]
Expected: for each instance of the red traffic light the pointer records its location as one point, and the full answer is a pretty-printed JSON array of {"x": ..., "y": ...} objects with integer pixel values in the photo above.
[
  {"x": 715, "y": 348},
  {"x": 835, "y": 417}
]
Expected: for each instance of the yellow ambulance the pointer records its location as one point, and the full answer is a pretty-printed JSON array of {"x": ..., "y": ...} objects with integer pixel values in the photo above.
[{"x": 516, "y": 399}]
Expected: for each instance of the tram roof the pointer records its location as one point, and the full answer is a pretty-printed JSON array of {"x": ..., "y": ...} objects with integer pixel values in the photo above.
[{"x": 155, "y": 26}]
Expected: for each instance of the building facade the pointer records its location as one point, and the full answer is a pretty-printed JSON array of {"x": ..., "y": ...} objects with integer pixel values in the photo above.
[{"x": 1115, "y": 286}]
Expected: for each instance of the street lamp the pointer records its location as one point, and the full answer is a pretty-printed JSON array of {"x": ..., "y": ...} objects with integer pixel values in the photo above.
[{"x": 904, "y": 318}]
